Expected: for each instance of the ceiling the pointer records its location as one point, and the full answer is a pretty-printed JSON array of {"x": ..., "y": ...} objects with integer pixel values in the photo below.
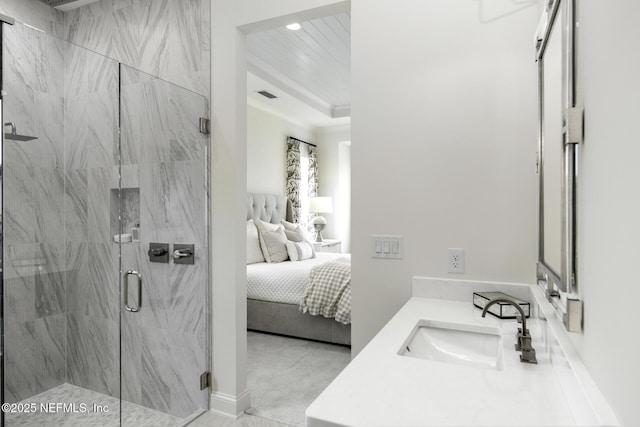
[{"x": 311, "y": 65}]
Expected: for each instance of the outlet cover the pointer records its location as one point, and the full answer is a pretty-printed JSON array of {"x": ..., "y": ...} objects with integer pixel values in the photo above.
[{"x": 456, "y": 260}]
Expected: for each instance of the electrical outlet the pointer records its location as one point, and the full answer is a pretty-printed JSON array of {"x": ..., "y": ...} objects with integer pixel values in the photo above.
[{"x": 456, "y": 260}]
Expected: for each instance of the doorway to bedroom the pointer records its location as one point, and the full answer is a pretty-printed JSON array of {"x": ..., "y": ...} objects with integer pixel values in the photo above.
[{"x": 298, "y": 215}]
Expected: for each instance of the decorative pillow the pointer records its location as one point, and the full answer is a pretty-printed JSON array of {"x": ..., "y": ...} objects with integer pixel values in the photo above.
[
  {"x": 254, "y": 251},
  {"x": 290, "y": 226},
  {"x": 275, "y": 245},
  {"x": 295, "y": 236},
  {"x": 299, "y": 251},
  {"x": 265, "y": 227}
]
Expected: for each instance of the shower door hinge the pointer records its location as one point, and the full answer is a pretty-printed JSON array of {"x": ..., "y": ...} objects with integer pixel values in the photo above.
[
  {"x": 204, "y": 125},
  {"x": 573, "y": 125},
  {"x": 205, "y": 380}
]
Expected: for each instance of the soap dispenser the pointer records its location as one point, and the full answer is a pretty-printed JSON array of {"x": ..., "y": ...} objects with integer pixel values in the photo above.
[{"x": 135, "y": 232}]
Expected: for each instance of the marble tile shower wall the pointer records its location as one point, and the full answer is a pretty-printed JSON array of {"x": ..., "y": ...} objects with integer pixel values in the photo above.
[
  {"x": 34, "y": 255},
  {"x": 165, "y": 38},
  {"x": 92, "y": 283}
]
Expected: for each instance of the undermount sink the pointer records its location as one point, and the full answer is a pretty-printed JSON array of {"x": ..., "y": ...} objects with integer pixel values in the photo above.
[{"x": 471, "y": 345}]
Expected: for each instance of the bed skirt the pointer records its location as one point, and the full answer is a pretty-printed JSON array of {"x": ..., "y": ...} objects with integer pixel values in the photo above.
[{"x": 287, "y": 319}]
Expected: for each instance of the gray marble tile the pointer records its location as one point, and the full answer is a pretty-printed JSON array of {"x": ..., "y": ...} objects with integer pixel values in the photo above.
[
  {"x": 145, "y": 122},
  {"x": 48, "y": 117},
  {"x": 189, "y": 351},
  {"x": 49, "y": 279},
  {"x": 21, "y": 364},
  {"x": 165, "y": 385},
  {"x": 93, "y": 352},
  {"x": 162, "y": 37},
  {"x": 155, "y": 184},
  {"x": 49, "y": 192},
  {"x": 131, "y": 361},
  {"x": 102, "y": 128},
  {"x": 187, "y": 208},
  {"x": 184, "y": 110},
  {"x": 76, "y": 205},
  {"x": 75, "y": 133},
  {"x": 184, "y": 28},
  {"x": 19, "y": 300},
  {"x": 77, "y": 277},
  {"x": 19, "y": 209},
  {"x": 186, "y": 297},
  {"x": 102, "y": 290},
  {"x": 98, "y": 208},
  {"x": 50, "y": 335}
]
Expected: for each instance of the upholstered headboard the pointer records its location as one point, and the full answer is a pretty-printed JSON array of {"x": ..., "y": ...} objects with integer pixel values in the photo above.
[{"x": 269, "y": 207}]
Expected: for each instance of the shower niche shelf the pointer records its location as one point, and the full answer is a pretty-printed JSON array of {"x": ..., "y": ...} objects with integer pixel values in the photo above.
[{"x": 129, "y": 199}]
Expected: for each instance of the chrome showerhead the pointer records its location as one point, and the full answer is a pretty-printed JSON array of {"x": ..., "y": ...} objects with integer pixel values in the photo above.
[{"x": 14, "y": 134}]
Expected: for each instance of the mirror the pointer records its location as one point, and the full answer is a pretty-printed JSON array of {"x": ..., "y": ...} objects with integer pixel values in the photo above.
[
  {"x": 560, "y": 130},
  {"x": 552, "y": 147}
]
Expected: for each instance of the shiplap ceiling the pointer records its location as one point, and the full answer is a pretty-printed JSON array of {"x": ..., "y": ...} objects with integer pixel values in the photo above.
[{"x": 312, "y": 64}]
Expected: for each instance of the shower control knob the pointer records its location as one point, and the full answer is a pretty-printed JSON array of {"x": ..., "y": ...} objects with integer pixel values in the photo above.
[
  {"x": 182, "y": 253},
  {"x": 157, "y": 252}
]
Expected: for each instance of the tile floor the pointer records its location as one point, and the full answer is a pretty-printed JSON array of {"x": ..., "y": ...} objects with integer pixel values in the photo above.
[
  {"x": 284, "y": 376},
  {"x": 99, "y": 410}
]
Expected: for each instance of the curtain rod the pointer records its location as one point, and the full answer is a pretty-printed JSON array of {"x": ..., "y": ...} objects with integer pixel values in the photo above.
[{"x": 304, "y": 142}]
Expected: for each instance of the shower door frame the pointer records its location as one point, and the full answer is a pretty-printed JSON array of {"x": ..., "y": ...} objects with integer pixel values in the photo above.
[{"x": 4, "y": 20}]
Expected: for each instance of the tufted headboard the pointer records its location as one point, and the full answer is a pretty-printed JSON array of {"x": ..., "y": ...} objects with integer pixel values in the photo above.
[{"x": 269, "y": 207}]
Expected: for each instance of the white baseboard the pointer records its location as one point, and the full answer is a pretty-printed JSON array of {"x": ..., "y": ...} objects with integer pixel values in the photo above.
[{"x": 230, "y": 405}]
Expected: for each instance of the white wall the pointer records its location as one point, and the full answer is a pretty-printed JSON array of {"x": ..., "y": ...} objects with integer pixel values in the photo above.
[
  {"x": 334, "y": 165},
  {"x": 229, "y": 181},
  {"x": 609, "y": 200},
  {"x": 443, "y": 142},
  {"x": 267, "y": 150}
]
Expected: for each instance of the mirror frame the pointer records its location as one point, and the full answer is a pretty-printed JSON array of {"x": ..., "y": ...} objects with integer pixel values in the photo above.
[{"x": 561, "y": 287}]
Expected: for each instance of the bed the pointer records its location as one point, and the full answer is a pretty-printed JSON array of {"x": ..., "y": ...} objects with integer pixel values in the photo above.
[{"x": 274, "y": 290}]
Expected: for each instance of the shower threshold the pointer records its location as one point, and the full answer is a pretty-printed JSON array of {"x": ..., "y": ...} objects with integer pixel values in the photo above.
[{"x": 70, "y": 406}]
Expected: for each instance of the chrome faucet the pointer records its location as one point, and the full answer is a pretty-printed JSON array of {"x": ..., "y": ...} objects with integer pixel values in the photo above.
[{"x": 523, "y": 338}]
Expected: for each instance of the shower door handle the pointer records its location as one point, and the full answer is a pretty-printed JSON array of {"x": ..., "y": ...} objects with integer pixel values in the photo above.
[{"x": 127, "y": 275}]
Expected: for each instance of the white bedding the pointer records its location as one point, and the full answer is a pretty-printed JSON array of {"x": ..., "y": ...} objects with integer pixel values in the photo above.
[{"x": 283, "y": 282}]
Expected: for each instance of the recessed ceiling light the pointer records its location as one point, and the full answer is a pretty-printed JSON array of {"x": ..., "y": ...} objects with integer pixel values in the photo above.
[{"x": 294, "y": 27}]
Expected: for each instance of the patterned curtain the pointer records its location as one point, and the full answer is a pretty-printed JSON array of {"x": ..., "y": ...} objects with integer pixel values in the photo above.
[
  {"x": 293, "y": 176},
  {"x": 313, "y": 175}
]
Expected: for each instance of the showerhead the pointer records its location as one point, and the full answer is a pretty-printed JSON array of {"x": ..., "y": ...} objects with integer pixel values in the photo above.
[
  {"x": 16, "y": 137},
  {"x": 13, "y": 135}
]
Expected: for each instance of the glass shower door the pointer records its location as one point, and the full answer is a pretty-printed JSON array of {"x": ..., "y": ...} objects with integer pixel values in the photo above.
[{"x": 163, "y": 247}]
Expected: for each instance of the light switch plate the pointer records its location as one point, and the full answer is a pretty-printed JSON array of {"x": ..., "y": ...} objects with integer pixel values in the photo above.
[{"x": 385, "y": 246}]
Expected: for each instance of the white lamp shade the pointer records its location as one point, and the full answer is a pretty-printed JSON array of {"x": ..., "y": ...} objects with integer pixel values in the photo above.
[{"x": 321, "y": 205}]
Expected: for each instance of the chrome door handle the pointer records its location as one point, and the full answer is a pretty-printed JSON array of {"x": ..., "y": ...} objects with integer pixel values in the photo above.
[{"x": 126, "y": 291}]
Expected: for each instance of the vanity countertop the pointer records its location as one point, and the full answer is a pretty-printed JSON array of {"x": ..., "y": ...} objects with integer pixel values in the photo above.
[{"x": 380, "y": 387}]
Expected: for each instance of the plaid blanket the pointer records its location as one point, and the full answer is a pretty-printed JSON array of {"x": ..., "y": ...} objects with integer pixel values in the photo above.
[{"x": 329, "y": 292}]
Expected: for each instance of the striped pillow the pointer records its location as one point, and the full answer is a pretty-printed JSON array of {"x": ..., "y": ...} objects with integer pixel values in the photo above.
[{"x": 299, "y": 251}]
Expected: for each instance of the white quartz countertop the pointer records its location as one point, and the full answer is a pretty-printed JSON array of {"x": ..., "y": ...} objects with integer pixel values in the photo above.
[{"x": 380, "y": 387}]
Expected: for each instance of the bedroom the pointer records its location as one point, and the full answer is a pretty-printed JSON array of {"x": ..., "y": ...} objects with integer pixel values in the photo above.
[{"x": 291, "y": 133}]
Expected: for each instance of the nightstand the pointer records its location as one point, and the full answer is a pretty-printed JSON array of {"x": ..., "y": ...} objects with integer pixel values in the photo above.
[{"x": 328, "y": 245}]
